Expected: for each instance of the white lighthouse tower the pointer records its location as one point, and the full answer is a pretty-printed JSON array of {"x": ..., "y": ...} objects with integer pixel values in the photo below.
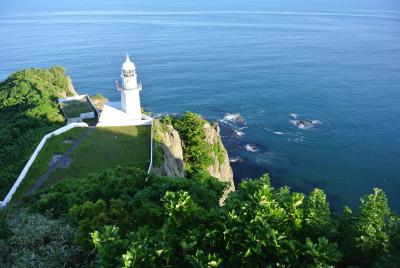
[
  {"x": 128, "y": 112},
  {"x": 130, "y": 98}
]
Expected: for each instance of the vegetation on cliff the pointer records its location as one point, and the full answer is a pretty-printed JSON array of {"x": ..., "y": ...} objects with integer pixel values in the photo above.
[
  {"x": 28, "y": 110},
  {"x": 125, "y": 217},
  {"x": 196, "y": 151}
]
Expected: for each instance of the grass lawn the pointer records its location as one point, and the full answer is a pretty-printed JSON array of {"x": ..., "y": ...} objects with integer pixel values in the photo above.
[
  {"x": 75, "y": 108},
  {"x": 108, "y": 147},
  {"x": 103, "y": 148},
  {"x": 54, "y": 145}
]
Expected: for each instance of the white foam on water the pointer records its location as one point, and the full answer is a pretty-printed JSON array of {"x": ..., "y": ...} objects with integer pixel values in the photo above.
[
  {"x": 233, "y": 118},
  {"x": 294, "y": 115},
  {"x": 278, "y": 133},
  {"x": 239, "y": 133},
  {"x": 251, "y": 148},
  {"x": 235, "y": 159},
  {"x": 300, "y": 125}
]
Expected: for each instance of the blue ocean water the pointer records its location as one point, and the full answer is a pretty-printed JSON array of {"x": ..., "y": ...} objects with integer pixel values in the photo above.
[{"x": 273, "y": 62}]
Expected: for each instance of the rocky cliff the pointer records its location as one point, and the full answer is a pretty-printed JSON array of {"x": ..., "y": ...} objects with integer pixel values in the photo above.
[
  {"x": 168, "y": 153},
  {"x": 221, "y": 169}
]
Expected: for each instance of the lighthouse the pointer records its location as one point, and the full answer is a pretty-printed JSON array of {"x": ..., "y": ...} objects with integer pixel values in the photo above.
[
  {"x": 128, "y": 112},
  {"x": 130, "y": 88}
]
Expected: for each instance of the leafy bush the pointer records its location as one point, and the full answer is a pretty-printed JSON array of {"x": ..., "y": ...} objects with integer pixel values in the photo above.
[
  {"x": 134, "y": 219},
  {"x": 369, "y": 234},
  {"x": 37, "y": 241},
  {"x": 126, "y": 197},
  {"x": 196, "y": 150}
]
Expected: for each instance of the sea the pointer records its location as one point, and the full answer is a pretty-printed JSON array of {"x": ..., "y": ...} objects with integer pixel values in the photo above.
[{"x": 307, "y": 91}]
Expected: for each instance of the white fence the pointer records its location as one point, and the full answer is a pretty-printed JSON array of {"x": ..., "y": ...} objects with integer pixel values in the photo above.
[
  {"x": 147, "y": 121},
  {"x": 151, "y": 147},
  {"x": 33, "y": 157}
]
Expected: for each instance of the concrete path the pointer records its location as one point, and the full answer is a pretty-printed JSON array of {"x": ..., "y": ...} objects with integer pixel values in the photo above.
[{"x": 63, "y": 161}]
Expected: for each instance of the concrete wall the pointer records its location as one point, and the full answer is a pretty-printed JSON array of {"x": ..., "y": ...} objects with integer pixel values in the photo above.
[
  {"x": 74, "y": 120},
  {"x": 145, "y": 121},
  {"x": 33, "y": 157},
  {"x": 79, "y": 97},
  {"x": 87, "y": 115}
]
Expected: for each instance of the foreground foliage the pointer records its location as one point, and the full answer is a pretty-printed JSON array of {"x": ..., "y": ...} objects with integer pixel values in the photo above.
[
  {"x": 33, "y": 240},
  {"x": 28, "y": 110},
  {"x": 137, "y": 220}
]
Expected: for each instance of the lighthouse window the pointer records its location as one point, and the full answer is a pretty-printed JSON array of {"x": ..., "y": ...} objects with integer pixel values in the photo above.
[{"x": 128, "y": 73}]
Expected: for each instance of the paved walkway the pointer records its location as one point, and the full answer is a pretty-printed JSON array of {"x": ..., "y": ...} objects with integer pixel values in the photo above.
[{"x": 63, "y": 161}]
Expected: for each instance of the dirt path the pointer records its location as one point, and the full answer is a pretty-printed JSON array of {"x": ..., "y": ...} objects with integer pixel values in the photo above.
[{"x": 63, "y": 161}]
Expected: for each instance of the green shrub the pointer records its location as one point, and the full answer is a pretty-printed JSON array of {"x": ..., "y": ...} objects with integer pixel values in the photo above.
[
  {"x": 196, "y": 150},
  {"x": 137, "y": 219},
  {"x": 37, "y": 241}
]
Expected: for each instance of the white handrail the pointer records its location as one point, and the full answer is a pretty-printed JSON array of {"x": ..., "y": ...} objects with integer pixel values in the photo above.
[{"x": 33, "y": 157}]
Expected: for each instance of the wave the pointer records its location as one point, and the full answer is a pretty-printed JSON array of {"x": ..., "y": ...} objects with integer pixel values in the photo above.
[
  {"x": 251, "y": 148},
  {"x": 293, "y": 115},
  {"x": 236, "y": 159},
  {"x": 305, "y": 123},
  {"x": 275, "y": 132},
  {"x": 238, "y": 133},
  {"x": 233, "y": 118}
]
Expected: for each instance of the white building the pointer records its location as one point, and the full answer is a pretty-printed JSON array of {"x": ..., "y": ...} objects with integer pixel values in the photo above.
[{"x": 128, "y": 111}]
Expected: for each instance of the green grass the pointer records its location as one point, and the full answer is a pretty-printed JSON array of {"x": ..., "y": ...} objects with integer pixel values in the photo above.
[
  {"x": 103, "y": 148},
  {"x": 75, "y": 108},
  {"x": 108, "y": 147},
  {"x": 54, "y": 145}
]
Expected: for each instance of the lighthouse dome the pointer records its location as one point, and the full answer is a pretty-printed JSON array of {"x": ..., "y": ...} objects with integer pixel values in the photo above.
[{"x": 128, "y": 64}]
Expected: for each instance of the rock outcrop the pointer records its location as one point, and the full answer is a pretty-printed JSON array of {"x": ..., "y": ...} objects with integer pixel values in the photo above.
[
  {"x": 71, "y": 90},
  {"x": 168, "y": 143},
  {"x": 221, "y": 169},
  {"x": 71, "y": 87}
]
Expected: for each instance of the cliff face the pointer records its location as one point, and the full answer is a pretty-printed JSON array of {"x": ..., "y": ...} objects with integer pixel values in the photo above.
[
  {"x": 168, "y": 148},
  {"x": 168, "y": 144},
  {"x": 221, "y": 169},
  {"x": 71, "y": 90}
]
